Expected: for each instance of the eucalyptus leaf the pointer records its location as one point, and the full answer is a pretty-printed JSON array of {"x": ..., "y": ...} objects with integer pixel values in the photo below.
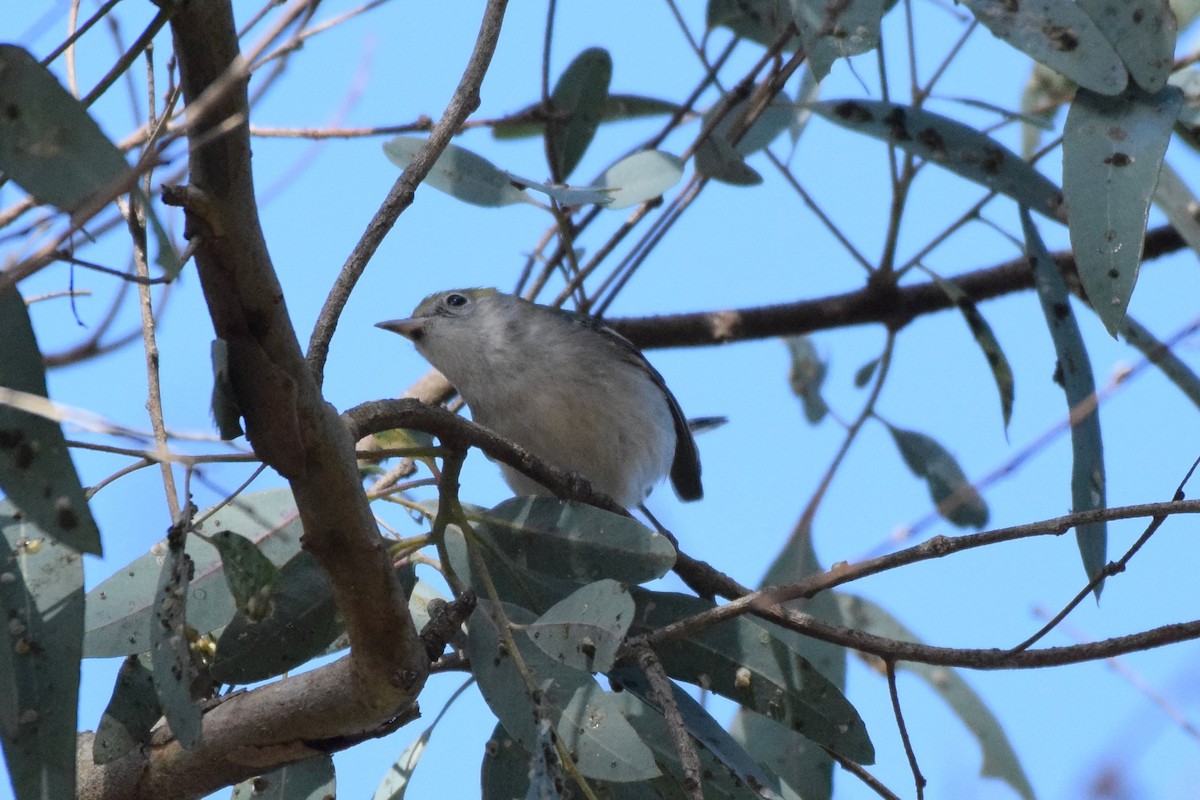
[
  {"x": 170, "y": 655},
  {"x": 36, "y": 471},
  {"x": 1113, "y": 148},
  {"x": 1074, "y": 374},
  {"x": 1001, "y": 370},
  {"x": 637, "y": 178},
  {"x": 1143, "y": 34},
  {"x": 580, "y": 96},
  {"x": 250, "y": 575},
  {"x": 761, "y": 21},
  {"x": 806, "y": 375},
  {"x": 952, "y": 145},
  {"x": 310, "y": 779},
  {"x": 224, "y": 405},
  {"x": 797, "y": 766},
  {"x": 49, "y": 144},
  {"x": 303, "y": 622},
  {"x": 584, "y": 630},
  {"x": 999, "y": 758},
  {"x": 1059, "y": 34},
  {"x": 118, "y": 620},
  {"x": 131, "y": 712},
  {"x": 530, "y": 121},
  {"x": 956, "y": 498},
  {"x": 585, "y": 717},
  {"x": 833, "y": 29},
  {"x": 746, "y": 661},
  {"x": 460, "y": 173},
  {"x": 732, "y": 761},
  {"x": 41, "y": 600},
  {"x": 720, "y": 158}
]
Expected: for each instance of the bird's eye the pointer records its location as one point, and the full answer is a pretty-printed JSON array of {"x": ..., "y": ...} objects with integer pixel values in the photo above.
[{"x": 456, "y": 300}]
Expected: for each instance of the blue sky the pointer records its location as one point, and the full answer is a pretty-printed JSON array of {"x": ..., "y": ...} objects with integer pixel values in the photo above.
[{"x": 736, "y": 247}]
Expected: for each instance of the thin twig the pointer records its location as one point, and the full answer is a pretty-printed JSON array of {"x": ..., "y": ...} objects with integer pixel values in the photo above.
[
  {"x": 918, "y": 778},
  {"x": 464, "y": 101}
]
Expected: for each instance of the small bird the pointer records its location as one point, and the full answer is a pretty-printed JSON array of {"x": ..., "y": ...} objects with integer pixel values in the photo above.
[{"x": 563, "y": 386}]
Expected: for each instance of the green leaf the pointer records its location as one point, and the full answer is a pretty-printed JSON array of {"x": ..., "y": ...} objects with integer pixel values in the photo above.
[
  {"x": 1113, "y": 148},
  {"x": 1059, "y": 34},
  {"x": 567, "y": 196},
  {"x": 310, "y": 779},
  {"x": 1176, "y": 200},
  {"x": 762, "y": 21},
  {"x": 837, "y": 29},
  {"x": 642, "y": 176},
  {"x": 1074, "y": 373},
  {"x": 997, "y": 361},
  {"x": 1188, "y": 123},
  {"x": 571, "y": 542},
  {"x": 952, "y": 145},
  {"x": 586, "y": 719},
  {"x": 49, "y": 144},
  {"x": 956, "y": 499},
  {"x": 170, "y": 655},
  {"x": 746, "y": 661},
  {"x": 719, "y": 158},
  {"x": 807, "y": 375},
  {"x": 224, "y": 404},
  {"x": 999, "y": 758},
  {"x": 802, "y": 768},
  {"x": 530, "y": 121},
  {"x": 251, "y": 576},
  {"x": 1143, "y": 34},
  {"x": 303, "y": 623},
  {"x": 579, "y": 97},
  {"x": 36, "y": 471},
  {"x": 730, "y": 763},
  {"x": 584, "y": 629},
  {"x": 1172, "y": 366},
  {"x": 460, "y": 173},
  {"x": 41, "y": 602},
  {"x": 863, "y": 375},
  {"x": 118, "y": 618},
  {"x": 131, "y": 712}
]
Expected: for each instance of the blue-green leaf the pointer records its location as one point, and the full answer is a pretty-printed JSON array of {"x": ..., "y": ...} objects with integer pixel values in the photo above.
[
  {"x": 1059, "y": 34},
  {"x": 118, "y": 610},
  {"x": 642, "y": 176},
  {"x": 756, "y": 664},
  {"x": 460, "y": 173},
  {"x": 530, "y": 121},
  {"x": 1113, "y": 148},
  {"x": 131, "y": 712},
  {"x": 1074, "y": 374},
  {"x": 41, "y": 638},
  {"x": 580, "y": 96},
  {"x": 584, "y": 629},
  {"x": 1143, "y": 34},
  {"x": 310, "y": 779},
  {"x": 170, "y": 655},
  {"x": 956, "y": 498},
  {"x": 762, "y": 21},
  {"x": 833, "y": 29},
  {"x": 952, "y": 145},
  {"x": 588, "y": 723},
  {"x": 1002, "y": 372},
  {"x": 36, "y": 472},
  {"x": 807, "y": 375},
  {"x": 999, "y": 758},
  {"x": 49, "y": 144},
  {"x": 302, "y": 623}
]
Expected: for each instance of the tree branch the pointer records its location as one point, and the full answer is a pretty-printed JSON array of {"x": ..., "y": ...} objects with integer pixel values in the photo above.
[{"x": 894, "y": 306}]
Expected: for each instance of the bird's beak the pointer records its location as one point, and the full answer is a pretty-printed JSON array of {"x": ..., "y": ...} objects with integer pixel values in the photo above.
[{"x": 408, "y": 328}]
